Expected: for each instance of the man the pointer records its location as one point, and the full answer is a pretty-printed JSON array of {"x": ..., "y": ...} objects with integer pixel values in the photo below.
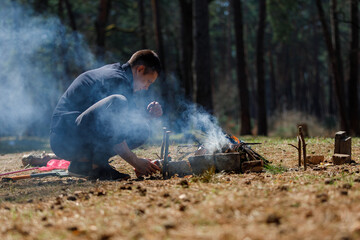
[{"x": 96, "y": 118}]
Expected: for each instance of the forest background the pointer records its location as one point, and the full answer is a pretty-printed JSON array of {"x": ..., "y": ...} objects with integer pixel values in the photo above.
[{"x": 260, "y": 66}]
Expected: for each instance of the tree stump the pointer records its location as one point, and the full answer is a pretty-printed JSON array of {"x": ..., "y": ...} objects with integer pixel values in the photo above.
[
  {"x": 339, "y": 159},
  {"x": 342, "y": 143}
]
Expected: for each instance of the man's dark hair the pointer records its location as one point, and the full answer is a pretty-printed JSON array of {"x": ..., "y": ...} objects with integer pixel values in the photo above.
[{"x": 148, "y": 58}]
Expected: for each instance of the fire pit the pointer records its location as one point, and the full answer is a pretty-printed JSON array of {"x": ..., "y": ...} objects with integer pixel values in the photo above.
[{"x": 235, "y": 156}]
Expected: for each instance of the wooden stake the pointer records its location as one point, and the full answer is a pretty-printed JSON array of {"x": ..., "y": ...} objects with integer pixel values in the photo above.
[
  {"x": 299, "y": 149},
  {"x": 163, "y": 144},
  {"x": 303, "y": 146},
  {"x": 166, "y": 155}
]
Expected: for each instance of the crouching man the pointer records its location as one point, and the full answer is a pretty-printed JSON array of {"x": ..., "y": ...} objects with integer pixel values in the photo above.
[{"x": 96, "y": 118}]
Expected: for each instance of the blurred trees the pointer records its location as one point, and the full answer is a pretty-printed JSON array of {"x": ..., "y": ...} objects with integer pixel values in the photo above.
[{"x": 245, "y": 61}]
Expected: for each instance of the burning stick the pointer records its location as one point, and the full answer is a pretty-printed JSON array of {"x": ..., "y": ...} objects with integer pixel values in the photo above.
[{"x": 166, "y": 156}]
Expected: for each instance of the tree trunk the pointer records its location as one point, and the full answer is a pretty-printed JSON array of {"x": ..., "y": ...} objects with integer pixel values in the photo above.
[
  {"x": 202, "y": 55},
  {"x": 158, "y": 34},
  {"x": 187, "y": 47},
  {"x": 262, "y": 119},
  {"x": 41, "y": 5},
  {"x": 272, "y": 82},
  {"x": 242, "y": 78},
  {"x": 353, "y": 70},
  {"x": 100, "y": 25},
  {"x": 70, "y": 15},
  {"x": 338, "y": 83},
  {"x": 142, "y": 27}
]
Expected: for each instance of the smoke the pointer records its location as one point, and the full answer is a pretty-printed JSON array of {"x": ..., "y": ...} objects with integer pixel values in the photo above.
[
  {"x": 186, "y": 117},
  {"x": 204, "y": 125},
  {"x": 37, "y": 52}
]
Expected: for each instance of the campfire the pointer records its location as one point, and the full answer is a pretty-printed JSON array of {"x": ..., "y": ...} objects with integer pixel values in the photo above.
[{"x": 234, "y": 156}]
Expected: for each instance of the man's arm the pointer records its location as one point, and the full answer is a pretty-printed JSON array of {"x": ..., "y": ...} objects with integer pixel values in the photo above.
[{"x": 143, "y": 166}]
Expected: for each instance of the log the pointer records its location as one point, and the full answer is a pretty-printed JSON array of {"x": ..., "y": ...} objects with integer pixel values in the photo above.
[
  {"x": 228, "y": 162},
  {"x": 342, "y": 143},
  {"x": 339, "y": 159},
  {"x": 252, "y": 166}
]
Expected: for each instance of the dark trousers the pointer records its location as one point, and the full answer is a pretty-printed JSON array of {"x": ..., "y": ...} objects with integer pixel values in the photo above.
[{"x": 93, "y": 133}]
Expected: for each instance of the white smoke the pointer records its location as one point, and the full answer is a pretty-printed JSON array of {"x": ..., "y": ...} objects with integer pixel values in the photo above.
[{"x": 33, "y": 52}]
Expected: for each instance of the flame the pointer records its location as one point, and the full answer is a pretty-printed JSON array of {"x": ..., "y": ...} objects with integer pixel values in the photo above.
[{"x": 233, "y": 139}]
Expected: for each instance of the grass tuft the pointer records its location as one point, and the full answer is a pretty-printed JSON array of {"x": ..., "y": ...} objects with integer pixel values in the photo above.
[
  {"x": 274, "y": 169},
  {"x": 206, "y": 177}
]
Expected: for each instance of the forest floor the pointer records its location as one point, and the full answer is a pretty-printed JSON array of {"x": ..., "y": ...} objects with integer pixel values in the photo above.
[{"x": 320, "y": 203}]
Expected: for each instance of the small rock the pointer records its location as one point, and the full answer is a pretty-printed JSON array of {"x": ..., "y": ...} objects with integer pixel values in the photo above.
[
  {"x": 346, "y": 186},
  {"x": 30, "y": 201},
  {"x": 183, "y": 197}
]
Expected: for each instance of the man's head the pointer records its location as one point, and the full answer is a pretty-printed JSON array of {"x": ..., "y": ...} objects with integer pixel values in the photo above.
[{"x": 146, "y": 67}]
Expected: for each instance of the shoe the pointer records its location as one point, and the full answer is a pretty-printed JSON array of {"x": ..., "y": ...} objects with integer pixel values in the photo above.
[
  {"x": 107, "y": 173},
  {"x": 80, "y": 169}
]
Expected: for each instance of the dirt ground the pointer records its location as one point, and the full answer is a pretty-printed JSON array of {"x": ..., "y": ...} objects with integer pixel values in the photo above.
[{"x": 320, "y": 203}]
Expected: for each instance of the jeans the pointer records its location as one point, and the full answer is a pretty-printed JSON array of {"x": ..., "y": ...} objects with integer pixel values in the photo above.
[{"x": 93, "y": 133}]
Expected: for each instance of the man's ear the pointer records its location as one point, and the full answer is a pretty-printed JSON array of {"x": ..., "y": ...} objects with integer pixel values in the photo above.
[{"x": 140, "y": 68}]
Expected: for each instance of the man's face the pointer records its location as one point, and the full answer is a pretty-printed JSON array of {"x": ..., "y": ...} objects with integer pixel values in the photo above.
[{"x": 143, "y": 81}]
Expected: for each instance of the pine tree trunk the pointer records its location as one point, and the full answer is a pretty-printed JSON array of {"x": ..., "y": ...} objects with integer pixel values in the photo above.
[
  {"x": 242, "y": 78},
  {"x": 353, "y": 70},
  {"x": 338, "y": 82},
  {"x": 272, "y": 83},
  {"x": 70, "y": 15},
  {"x": 158, "y": 33},
  {"x": 100, "y": 25},
  {"x": 142, "y": 27},
  {"x": 262, "y": 119},
  {"x": 187, "y": 47},
  {"x": 202, "y": 55}
]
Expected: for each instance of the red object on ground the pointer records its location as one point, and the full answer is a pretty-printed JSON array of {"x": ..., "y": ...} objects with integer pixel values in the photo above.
[{"x": 55, "y": 164}]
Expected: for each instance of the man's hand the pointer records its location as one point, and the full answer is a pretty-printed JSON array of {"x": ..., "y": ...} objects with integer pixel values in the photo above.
[
  {"x": 145, "y": 167},
  {"x": 154, "y": 109}
]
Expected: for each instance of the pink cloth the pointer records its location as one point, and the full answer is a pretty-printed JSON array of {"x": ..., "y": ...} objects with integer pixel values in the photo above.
[{"x": 55, "y": 164}]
